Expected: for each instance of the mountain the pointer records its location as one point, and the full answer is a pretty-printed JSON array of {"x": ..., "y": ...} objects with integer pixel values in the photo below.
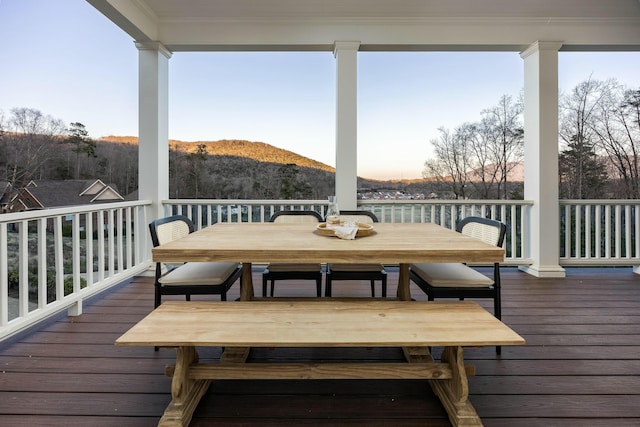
[
  {"x": 265, "y": 153},
  {"x": 258, "y": 151}
]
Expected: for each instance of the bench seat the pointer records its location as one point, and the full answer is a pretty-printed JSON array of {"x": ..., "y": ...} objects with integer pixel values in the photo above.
[{"x": 239, "y": 325}]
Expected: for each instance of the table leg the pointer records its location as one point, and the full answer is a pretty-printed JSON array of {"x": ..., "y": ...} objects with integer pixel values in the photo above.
[
  {"x": 185, "y": 392},
  {"x": 454, "y": 392},
  {"x": 404, "y": 291},
  {"x": 240, "y": 354},
  {"x": 246, "y": 292}
]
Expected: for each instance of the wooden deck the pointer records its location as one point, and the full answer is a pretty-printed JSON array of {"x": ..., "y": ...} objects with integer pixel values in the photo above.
[{"x": 580, "y": 367}]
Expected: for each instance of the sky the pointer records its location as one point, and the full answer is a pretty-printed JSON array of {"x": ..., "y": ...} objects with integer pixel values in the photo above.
[{"x": 65, "y": 59}]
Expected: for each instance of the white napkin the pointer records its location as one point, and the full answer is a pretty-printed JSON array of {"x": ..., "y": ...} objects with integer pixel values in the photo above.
[{"x": 346, "y": 231}]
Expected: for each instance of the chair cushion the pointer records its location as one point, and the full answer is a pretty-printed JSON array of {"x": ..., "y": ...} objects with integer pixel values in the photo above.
[
  {"x": 454, "y": 275},
  {"x": 200, "y": 273},
  {"x": 357, "y": 267},
  {"x": 289, "y": 266}
]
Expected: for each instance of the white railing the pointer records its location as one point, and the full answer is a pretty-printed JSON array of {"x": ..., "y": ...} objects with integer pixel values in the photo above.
[
  {"x": 600, "y": 232},
  {"x": 54, "y": 259},
  {"x": 206, "y": 212},
  {"x": 443, "y": 212}
]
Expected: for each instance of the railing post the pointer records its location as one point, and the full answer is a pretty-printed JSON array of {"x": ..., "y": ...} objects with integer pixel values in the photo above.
[
  {"x": 42, "y": 262},
  {"x": 4, "y": 276},
  {"x": 75, "y": 309}
]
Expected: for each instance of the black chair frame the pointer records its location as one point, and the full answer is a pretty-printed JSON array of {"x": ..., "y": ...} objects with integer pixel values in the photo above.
[
  {"x": 272, "y": 276},
  {"x": 461, "y": 293},
  {"x": 186, "y": 290},
  {"x": 372, "y": 276}
]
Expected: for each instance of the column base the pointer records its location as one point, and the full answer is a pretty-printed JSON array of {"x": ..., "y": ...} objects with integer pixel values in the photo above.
[{"x": 544, "y": 270}]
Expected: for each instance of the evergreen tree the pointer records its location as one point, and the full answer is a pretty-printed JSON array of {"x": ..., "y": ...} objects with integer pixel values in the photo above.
[
  {"x": 582, "y": 174},
  {"x": 197, "y": 162},
  {"x": 79, "y": 138}
]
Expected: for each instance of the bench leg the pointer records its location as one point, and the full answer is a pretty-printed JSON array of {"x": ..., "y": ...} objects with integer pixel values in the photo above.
[
  {"x": 454, "y": 392},
  {"x": 185, "y": 392}
]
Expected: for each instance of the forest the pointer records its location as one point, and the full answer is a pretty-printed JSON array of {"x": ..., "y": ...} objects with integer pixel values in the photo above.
[
  {"x": 599, "y": 143},
  {"x": 598, "y": 140},
  {"x": 34, "y": 146}
]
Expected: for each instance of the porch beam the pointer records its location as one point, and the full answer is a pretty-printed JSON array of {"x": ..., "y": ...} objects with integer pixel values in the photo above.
[{"x": 400, "y": 33}]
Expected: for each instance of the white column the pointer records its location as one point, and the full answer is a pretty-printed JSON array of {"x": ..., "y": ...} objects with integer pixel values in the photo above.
[
  {"x": 541, "y": 157},
  {"x": 153, "y": 122},
  {"x": 346, "y": 54}
]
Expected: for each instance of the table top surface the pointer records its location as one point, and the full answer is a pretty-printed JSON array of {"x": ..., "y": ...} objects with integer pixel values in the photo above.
[
  {"x": 272, "y": 242},
  {"x": 320, "y": 323}
]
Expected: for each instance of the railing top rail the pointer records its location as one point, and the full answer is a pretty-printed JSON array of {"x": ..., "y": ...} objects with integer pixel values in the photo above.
[
  {"x": 242, "y": 202},
  {"x": 360, "y": 202},
  {"x": 603, "y": 202},
  {"x": 445, "y": 201},
  {"x": 46, "y": 213}
]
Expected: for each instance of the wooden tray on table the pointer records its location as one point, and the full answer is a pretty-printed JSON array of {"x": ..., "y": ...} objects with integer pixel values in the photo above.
[{"x": 363, "y": 230}]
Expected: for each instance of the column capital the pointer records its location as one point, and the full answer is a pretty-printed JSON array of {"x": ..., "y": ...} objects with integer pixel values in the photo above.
[
  {"x": 345, "y": 45},
  {"x": 541, "y": 45},
  {"x": 155, "y": 46}
]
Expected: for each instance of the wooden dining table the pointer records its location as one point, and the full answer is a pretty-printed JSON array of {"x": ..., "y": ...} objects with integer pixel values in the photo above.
[
  {"x": 328, "y": 322},
  {"x": 389, "y": 243}
]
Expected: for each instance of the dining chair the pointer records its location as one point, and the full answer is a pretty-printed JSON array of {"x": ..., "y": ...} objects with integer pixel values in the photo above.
[
  {"x": 191, "y": 278},
  {"x": 293, "y": 270},
  {"x": 360, "y": 271},
  {"x": 456, "y": 280}
]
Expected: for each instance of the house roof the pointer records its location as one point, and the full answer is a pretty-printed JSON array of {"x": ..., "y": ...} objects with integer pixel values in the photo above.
[{"x": 51, "y": 194}]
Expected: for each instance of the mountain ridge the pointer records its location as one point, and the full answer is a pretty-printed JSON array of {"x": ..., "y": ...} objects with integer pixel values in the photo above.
[
  {"x": 255, "y": 150},
  {"x": 267, "y": 153}
]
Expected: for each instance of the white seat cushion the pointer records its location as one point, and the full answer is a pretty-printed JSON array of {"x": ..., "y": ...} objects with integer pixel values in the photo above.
[
  {"x": 357, "y": 267},
  {"x": 199, "y": 273},
  {"x": 283, "y": 267},
  {"x": 451, "y": 275}
]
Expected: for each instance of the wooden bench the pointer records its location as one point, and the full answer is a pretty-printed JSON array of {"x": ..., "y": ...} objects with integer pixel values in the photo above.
[{"x": 239, "y": 325}]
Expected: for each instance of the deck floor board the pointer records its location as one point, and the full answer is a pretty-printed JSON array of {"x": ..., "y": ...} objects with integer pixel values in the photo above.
[{"x": 581, "y": 366}]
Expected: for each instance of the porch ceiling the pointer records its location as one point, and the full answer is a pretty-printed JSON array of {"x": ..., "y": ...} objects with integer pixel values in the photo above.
[{"x": 199, "y": 25}]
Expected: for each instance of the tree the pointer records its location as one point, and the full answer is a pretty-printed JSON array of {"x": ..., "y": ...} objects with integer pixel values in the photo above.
[
  {"x": 197, "y": 162},
  {"x": 79, "y": 139},
  {"x": 578, "y": 112},
  {"x": 3, "y": 149},
  {"x": 617, "y": 133},
  {"x": 592, "y": 175},
  {"x": 477, "y": 158},
  {"x": 503, "y": 124},
  {"x": 452, "y": 161},
  {"x": 29, "y": 145},
  {"x": 483, "y": 177},
  {"x": 291, "y": 186},
  {"x": 177, "y": 169}
]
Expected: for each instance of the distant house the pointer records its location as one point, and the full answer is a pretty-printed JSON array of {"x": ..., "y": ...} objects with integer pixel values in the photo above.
[
  {"x": 55, "y": 194},
  {"x": 5, "y": 195}
]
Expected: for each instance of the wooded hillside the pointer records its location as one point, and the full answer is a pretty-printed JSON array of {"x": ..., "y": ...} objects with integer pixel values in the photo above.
[
  {"x": 236, "y": 169},
  {"x": 258, "y": 151}
]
